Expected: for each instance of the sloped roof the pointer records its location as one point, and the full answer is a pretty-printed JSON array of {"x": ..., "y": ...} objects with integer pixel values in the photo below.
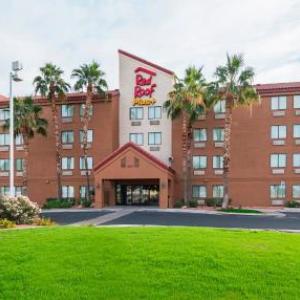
[{"x": 278, "y": 87}]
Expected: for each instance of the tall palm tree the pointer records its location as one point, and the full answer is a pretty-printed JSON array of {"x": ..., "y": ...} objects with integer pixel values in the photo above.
[
  {"x": 188, "y": 100},
  {"x": 234, "y": 85},
  {"x": 28, "y": 122},
  {"x": 50, "y": 84},
  {"x": 89, "y": 79}
]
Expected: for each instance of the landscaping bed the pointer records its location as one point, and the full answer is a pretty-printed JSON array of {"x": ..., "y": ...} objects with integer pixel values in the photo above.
[{"x": 148, "y": 263}]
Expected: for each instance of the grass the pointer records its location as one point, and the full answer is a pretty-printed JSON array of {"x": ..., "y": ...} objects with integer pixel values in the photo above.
[
  {"x": 240, "y": 210},
  {"x": 148, "y": 263}
]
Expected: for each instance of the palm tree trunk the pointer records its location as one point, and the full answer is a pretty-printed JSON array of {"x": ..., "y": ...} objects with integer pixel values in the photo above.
[
  {"x": 25, "y": 164},
  {"x": 57, "y": 145},
  {"x": 86, "y": 118},
  {"x": 185, "y": 158},
  {"x": 227, "y": 148}
]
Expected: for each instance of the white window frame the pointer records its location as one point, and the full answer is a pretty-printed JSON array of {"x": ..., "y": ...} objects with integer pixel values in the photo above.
[
  {"x": 296, "y": 191},
  {"x": 220, "y": 107},
  {"x": 89, "y": 137},
  {"x": 4, "y": 139},
  {"x": 69, "y": 134},
  {"x": 154, "y": 112},
  {"x": 278, "y": 160},
  {"x": 278, "y": 132},
  {"x": 68, "y": 191},
  {"x": 296, "y": 101},
  {"x": 296, "y": 160},
  {"x": 277, "y": 191},
  {"x": 67, "y": 110},
  {"x": 199, "y": 162},
  {"x": 20, "y": 164},
  {"x": 200, "y": 135},
  {"x": 199, "y": 191},
  {"x": 278, "y": 103},
  {"x": 136, "y": 116},
  {"x": 4, "y": 165},
  {"x": 216, "y": 135},
  {"x": 296, "y": 131},
  {"x": 89, "y": 163},
  {"x": 157, "y": 138},
  {"x": 136, "y": 138},
  {"x": 218, "y": 190},
  {"x": 218, "y": 162},
  {"x": 67, "y": 163},
  {"x": 4, "y": 114}
]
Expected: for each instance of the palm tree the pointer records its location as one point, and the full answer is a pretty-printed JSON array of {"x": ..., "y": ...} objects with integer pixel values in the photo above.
[
  {"x": 50, "y": 84},
  {"x": 28, "y": 122},
  {"x": 188, "y": 100},
  {"x": 89, "y": 79},
  {"x": 234, "y": 85}
]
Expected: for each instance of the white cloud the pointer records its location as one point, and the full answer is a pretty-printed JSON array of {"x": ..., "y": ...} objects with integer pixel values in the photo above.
[{"x": 172, "y": 33}]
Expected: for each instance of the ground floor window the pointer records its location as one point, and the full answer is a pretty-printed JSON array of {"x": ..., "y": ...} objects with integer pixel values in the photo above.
[
  {"x": 67, "y": 191},
  {"x": 199, "y": 191},
  {"x": 277, "y": 191},
  {"x": 218, "y": 191},
  {"x": 19, "y": 190},
  {"x": 296, "y": 191},
  {"x": 4, "y": 190},
  {"x": 83, "y": 191}
]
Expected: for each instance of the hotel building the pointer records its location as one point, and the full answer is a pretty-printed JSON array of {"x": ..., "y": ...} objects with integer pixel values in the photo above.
[{"x": 135, "y": 150}]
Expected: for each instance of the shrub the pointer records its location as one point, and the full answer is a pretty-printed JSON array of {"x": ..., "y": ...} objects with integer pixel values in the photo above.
[
  {"x": 4, "y": 223},
  {"x": 178, "y": 203},
  {"x": 18, "y": 209},
  {"x": 85, "y": 202},
  {"x": 43, "y": 222},
  {"x": 59, "y": 203},
  {"x": 193, "y": 203},
  {"x": 292, "y": 204},
  {"x": 213, "y": 202}
]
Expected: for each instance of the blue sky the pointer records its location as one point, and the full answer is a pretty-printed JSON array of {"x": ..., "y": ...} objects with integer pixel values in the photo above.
[{"x": 172, "y": 33}]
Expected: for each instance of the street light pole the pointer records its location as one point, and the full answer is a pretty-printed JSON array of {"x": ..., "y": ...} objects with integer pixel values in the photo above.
[{"x": 13, "y": 76}]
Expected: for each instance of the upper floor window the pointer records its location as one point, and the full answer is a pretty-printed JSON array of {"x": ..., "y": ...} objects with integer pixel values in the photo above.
[
  {"x": 220, "y": 107},
  {"x": 67, "y": 163},
  {"x": 67, "y": 111},
  {"x": 20, "y": 190},
  {"x": 277, "y": 191},
  {"x": 278, "y": 132},
  {"x": 199, "y": 191},
  {"x": 278, "y": 160},
  {"x": 19, "y": 140},
  {"x": 4, "y": 114},
  {"x": 296, "y": 131},
  {"x": 296, "y": 160},
  {"x": 82, "y": 107},
  {"x": 154, "y": 112},
  {"x": 67, "y": 191},
  {"x": 278, "y": 102},
  {"x": 136, "y": 113},
  {"x": 218, "y": 134},
  {"x": 199, "y": 162},
  {"x": 218, "y": 162},
  {"x": 137, "y": 138},
  {"x": 89, "y": 136},
  {"x": 200, "y": 135},
  {"x": 218, "y": 191},
  {"x": 4, "y": 190},
  {"x": 4, "y": 139},
  {"x": 67, "y": 137},
  {"x": 297, "y": 101},
  {"x": 19, "y": 164},
  {"x": 4, "y": 164},
  {"x": 89, "y": 163},
  {"x": 296, "y": 191},
  {"x": 154, "y": 138}
]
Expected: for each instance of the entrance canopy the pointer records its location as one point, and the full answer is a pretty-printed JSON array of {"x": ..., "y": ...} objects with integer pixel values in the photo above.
[{"x": 131, "y": 162}]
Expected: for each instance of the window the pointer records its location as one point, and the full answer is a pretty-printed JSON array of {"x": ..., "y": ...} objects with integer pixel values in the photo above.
[
  {"x": 297, "y": 101},
  {"x": 4, "y": 165},
  {"x": 82, "y": 106},
  {"x": 297, "y": 131},
  {"x": 4, "y": 114},
  {"x": 218, "y": 191},
  {"x": 199, "y": 162},
  {"x": 278, "y": 160},
  {"x": 154, "y": 112},
  {"x": 277, "y": 191},
  {"x": 19, "y": 190},
  {"x": 154, "y": 138},
  {"x": 4, "y": 139},
  {"x": 67, "y": 163},
  {"x": 83, "y": 190},
  {"x": 4, "y": 190},
  {"x": 137, "y": 138},
  {"x": 296, "y": 160},
  {"x": 89, "y": 136},
  {"x": 278, "y": 102},
  {"x": 67, "y": 191},
  {"x": 218, "y": 134},
  {"x": 67, "y": 111},
  {"x": 20, "y": 164},
  {"x": 89, "y": 163},
  {"x": 136, "y": 113},
  {"x": 199, "y": 191},
  {"x": 219, "y": 107},
  {"x": 67, "y": 137},
  {"x": 200, "y": 135},
  {"x": 278, "y": 132},
  {"x": 218, "y": 162},
  {"x": 296, "y": 191},
  {"x": 19, "y": 140}
]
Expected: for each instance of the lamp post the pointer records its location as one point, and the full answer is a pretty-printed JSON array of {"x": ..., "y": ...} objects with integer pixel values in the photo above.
[{"x": 13, "y": 76}]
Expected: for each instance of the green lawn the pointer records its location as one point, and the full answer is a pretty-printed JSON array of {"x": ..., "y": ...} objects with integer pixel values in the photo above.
[
  {"x": 240, "y": 210},
  {"x": 148, "y": 263}
]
